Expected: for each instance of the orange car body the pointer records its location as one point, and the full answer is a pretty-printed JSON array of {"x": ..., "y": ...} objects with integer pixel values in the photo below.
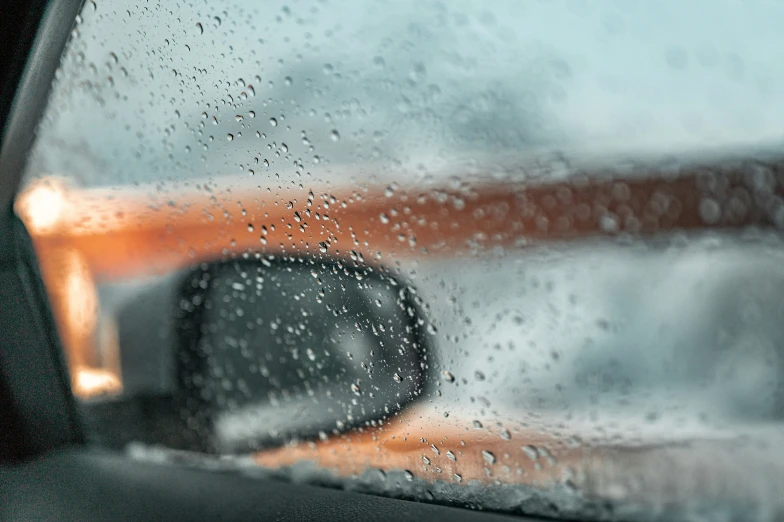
[{"x": 84, "y": 237}]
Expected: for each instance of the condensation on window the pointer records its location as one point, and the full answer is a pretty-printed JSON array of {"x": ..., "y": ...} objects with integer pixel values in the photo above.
[{"x": 522, "y": 257}]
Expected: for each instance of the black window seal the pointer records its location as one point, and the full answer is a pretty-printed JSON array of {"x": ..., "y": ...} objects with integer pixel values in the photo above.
[{"x": 36, "y": 402}]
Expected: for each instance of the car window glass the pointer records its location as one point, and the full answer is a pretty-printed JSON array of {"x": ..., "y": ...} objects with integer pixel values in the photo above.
[{"x": 514, "y": 256}]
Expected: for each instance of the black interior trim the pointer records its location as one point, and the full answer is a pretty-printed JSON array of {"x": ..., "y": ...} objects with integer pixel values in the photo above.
[
  {"x": 33, "y": 34},
  {"x": 18, "y": 27},
  {"x": 33, "y": 372},
  {"x": 35, "y": 391}
]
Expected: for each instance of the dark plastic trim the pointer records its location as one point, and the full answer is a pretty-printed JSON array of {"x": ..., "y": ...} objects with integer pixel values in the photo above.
[
  {"x": 32, "y": 46},
  {"x": 36, "y": 403}
]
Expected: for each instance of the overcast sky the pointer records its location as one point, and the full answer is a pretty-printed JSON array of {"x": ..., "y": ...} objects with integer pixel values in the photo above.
[{"x": 408, "y": 86}]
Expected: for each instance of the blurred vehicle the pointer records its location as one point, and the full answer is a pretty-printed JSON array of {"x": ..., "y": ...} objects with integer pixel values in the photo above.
[
  {"x": 99, "y": 240},
  {"x": 524, "y": 258}
]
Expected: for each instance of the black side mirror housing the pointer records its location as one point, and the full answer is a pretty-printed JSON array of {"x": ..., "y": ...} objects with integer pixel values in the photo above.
[{"x": 258, "y": 352}]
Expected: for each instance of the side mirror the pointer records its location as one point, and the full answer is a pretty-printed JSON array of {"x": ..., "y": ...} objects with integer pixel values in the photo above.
[{"x": 257, "y": 352}]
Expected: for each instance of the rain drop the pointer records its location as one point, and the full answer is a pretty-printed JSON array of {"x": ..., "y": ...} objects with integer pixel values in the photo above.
[
  {"x": 710, "y": 211},
  {"x": 531, "y": 452},
  {"x": 488, "y": 456}
]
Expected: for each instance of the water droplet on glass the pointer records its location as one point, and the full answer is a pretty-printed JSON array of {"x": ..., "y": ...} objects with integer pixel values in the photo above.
[
  {"x": 273, "y": 122},
  {"x": 250, "y": 227},
  {"x": 288, "y": 81},
  {"x": 199, "y": 28},
  {"x": 448, "y": 377},
  {"x": 356, "y": 389},
  {"x": 397, "y": 378},
  {"x": 505, "y": 434},
  {"x": 488, "y": 456},
  {"x": 451, "y": 456},
  {"x": 230, "y": 137},
  {"x": 609, "y": 223},
  {"x": 334, "y": 135},
  {"x": 479, "y": 375},
  {"x": 710, "y": 211},
  {"x": 477, "y": 425},
  {"x": 418, "y": 72},
  {"x": 531, "y": 452},
  {"x": 435, "y": 450},
  {"x": 409, "y": 476}
]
